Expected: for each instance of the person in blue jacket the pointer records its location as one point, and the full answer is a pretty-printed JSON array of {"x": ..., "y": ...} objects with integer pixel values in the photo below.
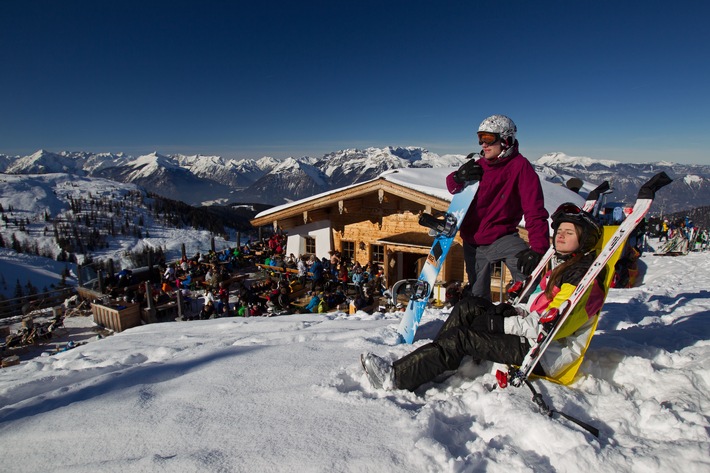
[{"x": 317, "y": 270}]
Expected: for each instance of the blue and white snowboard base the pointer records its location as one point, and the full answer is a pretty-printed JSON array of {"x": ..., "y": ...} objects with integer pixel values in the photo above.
[{"x": 439, "y": 249}]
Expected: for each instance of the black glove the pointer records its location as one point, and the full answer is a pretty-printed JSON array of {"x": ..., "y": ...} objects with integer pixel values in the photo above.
[
  {"x": 528, "y": 261},
  {"x": 469, "y": 171},
  {"x": 504, "y": 310}
]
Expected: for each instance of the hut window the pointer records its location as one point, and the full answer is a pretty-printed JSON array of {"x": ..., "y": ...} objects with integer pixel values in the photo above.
[
  {"x": 348, "y": 250},
  {"x": 310, "y": 245},
  {"x": 377, "y": 253},
  {"x": 496, "y": 270}
]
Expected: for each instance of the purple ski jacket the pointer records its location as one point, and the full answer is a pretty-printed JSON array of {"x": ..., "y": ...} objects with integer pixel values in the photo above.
[{"x": 510, "y": 189}]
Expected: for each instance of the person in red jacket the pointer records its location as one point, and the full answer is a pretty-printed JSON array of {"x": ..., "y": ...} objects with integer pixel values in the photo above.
[
  {"x": 509, "y": 189},
  {"x": 504, "y": 333}
]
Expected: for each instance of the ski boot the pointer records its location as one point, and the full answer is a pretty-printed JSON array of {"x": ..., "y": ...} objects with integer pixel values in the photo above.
[{"x": 378, "y": 370}]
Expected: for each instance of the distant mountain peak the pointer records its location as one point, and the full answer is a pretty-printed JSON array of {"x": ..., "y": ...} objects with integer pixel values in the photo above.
[{"x": 561, "y": 159}]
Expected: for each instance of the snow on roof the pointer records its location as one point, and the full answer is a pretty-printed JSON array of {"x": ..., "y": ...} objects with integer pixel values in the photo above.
[{"x": 429, "y": 181}]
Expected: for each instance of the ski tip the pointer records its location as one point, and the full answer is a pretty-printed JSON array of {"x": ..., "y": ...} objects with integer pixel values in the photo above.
[
  {"x": 599, "y": 190},
  {"x": 648, "y": 190}
]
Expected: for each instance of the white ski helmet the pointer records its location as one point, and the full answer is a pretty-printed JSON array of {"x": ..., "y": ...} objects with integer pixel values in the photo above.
[{"x": 501, "y": 125}]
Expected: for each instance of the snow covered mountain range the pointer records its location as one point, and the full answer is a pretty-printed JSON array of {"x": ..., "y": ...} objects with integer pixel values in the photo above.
[
  {"x": 200, "y": 179},
  {"x": 690, "y": 188},
  {"x": 205, "y": 179}
]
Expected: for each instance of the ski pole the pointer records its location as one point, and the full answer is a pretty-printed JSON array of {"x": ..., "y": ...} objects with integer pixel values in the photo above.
[{"x": 546, "y": 410}]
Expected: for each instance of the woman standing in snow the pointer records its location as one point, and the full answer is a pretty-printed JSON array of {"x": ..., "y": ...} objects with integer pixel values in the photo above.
[{"x": 504, "y": 333}]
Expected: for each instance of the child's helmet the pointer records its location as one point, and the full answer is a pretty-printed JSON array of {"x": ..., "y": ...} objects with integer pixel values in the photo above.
[{"x": 591, "y": 230}]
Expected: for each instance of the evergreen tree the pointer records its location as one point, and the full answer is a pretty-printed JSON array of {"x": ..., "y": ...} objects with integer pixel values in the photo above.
[
  {"x": 16, "y": 244},
  {"x": 31, "y": 290},
  {"x": 18, "y": 290}
]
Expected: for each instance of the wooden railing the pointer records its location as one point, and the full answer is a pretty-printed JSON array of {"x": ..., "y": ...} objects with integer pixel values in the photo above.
[{"x": 26, "y": 304}]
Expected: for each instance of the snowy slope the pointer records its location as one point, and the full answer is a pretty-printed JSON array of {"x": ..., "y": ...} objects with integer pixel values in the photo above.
[
  {"x": 31, "y": 196},
  {"x": 287, "y": 394}
]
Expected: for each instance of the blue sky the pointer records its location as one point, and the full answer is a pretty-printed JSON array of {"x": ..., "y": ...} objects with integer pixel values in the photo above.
[{"x": 617, "y": 80}]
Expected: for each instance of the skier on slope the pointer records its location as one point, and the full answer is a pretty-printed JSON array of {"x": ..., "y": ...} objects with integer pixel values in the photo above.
[
  {"x": 504, "y": 333},
  {"x": 509, "y": 189}
]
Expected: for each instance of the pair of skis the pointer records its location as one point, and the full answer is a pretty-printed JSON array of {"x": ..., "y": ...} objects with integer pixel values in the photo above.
[{"x": 557, "y": 316}]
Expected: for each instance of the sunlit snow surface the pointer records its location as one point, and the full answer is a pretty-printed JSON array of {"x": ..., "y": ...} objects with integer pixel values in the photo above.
[{"x": 288, "y": 394}]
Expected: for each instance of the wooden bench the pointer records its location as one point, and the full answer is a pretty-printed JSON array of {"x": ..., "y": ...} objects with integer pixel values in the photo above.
[
  {"x": 280, "y": 270},
  {"x": 88, "y": 294}
]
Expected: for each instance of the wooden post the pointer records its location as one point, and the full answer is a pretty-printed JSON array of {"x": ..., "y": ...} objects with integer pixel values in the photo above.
[
  {"x": 79, "y": 276},
  {"x": 212, "y": 243},
  {"x": 182, "y": 250},
  {"x": 150, "y": 266},
  {"x": 111, "y": 270},
  {"x": 179, "y": 303}
]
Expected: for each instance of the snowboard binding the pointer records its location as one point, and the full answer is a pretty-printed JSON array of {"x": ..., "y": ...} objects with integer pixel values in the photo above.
[{"x": 444, "y": 225}]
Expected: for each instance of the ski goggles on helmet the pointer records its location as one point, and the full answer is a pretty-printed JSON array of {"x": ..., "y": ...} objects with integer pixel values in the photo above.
[
  {"x": 566, "y": 209},
  {"x": 488, "y": 138},
  {"x": 570, "y": 212}
]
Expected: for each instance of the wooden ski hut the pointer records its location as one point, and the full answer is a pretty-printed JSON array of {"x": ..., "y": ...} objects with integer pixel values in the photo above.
[{"x": 374, "y": 221}]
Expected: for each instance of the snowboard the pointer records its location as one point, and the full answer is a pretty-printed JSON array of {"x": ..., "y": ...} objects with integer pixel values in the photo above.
[{"x": 445, "y": 227}]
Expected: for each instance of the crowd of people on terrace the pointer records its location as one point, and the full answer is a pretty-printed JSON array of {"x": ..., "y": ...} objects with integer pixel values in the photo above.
[
  {"x": 288, "y": 283},
  {"x": 329, "y": 283}
]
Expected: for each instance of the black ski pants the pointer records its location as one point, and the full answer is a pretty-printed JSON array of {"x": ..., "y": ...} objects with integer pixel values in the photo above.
[{"x": 455, "y": 340}]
